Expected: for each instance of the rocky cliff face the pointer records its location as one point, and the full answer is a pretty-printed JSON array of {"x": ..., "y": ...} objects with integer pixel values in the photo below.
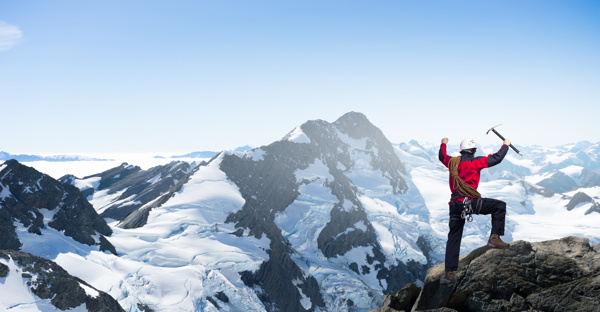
[
  {"x": 34, "y": 200},
  {"x": 557, "y": 275},
  {"x": 47, "y": 286}
]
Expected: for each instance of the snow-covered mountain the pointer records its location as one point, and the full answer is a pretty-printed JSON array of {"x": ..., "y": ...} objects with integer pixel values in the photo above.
[{"x": 329, "y": 218}]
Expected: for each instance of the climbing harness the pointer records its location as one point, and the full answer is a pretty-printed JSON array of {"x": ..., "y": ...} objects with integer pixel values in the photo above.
[{"x": 467, "y": 212}]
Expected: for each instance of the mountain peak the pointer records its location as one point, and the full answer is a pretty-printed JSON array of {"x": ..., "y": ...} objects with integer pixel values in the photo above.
[
  {"x": 353, "y": 116},
  {"x": 357, "y": 126}
]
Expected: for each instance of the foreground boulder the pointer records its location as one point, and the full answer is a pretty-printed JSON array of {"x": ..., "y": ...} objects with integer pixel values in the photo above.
[{"x": 557, "y": 275}]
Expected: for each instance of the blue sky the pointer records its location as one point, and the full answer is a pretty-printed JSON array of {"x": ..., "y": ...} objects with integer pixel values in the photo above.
[{"x": 182, "y": 76}]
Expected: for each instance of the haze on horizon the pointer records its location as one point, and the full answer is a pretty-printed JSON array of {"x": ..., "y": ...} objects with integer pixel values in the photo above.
[{"x": 155, "y": 76}]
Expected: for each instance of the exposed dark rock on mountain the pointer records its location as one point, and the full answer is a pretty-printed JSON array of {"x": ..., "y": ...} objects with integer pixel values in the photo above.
[
  {"x": 138, "y": 186},
  {"x": 595, "y": 208},
  {"x": 582, "y": 198},
  {"x": 561, "y": 183},
  {"x": 28, "y": 195},
  {"x": 578, "y": 198},
  {"x": 558, "y": 182},
  {"x": 557, "y": 275},
  {"x": 47, "y": 280}
]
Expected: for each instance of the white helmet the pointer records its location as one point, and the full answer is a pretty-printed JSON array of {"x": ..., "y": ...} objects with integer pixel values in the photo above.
[{"x": 467, "y": 144}]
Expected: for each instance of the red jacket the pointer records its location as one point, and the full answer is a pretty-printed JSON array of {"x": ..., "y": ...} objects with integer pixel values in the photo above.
[{"x": 469, "y": 169}]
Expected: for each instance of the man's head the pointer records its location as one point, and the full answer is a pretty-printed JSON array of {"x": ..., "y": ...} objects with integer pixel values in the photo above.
[{"x": 468, "y": 146}]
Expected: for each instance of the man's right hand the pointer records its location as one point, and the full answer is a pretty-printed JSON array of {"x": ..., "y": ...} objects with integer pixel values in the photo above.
[
  {"x": 507, "y": 142},
  {"x": 445, "y": 141}
]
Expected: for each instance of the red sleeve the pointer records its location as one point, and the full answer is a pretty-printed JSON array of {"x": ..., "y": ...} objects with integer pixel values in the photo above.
[{"x": 443, "y": 156}]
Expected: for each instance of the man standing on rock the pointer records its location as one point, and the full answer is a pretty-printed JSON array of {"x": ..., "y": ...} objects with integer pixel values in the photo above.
[{"x": 465, "y": 173}]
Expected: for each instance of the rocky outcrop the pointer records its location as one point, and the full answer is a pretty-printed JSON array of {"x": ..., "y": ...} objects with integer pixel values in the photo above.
[
  {"x": 557, "y": 275},
  {"x": 582, "y": 198},
  {"x": 34, "y": 200},
  {"x": 558, "y": 182},
  {"x": 402, "y": 301},
  {"x": 50, "y": 283}
]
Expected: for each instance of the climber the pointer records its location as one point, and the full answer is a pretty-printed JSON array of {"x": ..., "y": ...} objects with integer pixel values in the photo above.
[{"x": 465, "y": 199}]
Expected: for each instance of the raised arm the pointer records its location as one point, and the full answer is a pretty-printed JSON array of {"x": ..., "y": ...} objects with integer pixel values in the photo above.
[
  {"x": 497, "y": 157},
  {"x": 443, "y": 155}
]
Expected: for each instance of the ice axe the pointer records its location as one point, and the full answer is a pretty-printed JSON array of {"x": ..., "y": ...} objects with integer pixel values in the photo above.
[{"x": 501, "y": 137}]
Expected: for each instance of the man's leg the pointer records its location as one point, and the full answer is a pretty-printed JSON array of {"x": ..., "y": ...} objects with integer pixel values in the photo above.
[
  {"x": 497, "y": 209},
  {"x": 454, "y": 237}
]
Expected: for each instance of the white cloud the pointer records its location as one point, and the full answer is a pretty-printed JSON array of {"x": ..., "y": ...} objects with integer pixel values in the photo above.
[{"x": 10, "y": 35}]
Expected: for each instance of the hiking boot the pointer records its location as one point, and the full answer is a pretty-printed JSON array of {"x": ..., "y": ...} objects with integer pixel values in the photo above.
[
  {"x": 450, "y": 277},
  {"x": 496, "y": 242}
]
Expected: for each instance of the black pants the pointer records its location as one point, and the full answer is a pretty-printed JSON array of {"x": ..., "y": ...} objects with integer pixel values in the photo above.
[{"x": 484, "y": 206}]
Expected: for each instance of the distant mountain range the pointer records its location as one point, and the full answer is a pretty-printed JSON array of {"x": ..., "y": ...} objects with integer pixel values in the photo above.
[
  {"x": 67, "y": 158},
  {"x": 56, "y": 158},
  {"x": 330, "y": 218},
  {"x": 206, "y": 154}
]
